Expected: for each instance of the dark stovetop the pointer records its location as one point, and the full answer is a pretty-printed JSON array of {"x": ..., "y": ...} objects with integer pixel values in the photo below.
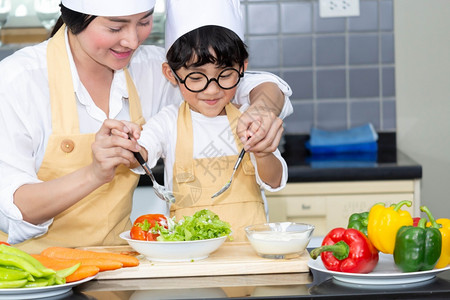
[{"x": 386, "y": 164}]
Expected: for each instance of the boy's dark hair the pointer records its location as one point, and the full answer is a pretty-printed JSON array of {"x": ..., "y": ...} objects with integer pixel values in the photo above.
[{"x": 193, "y": 48}]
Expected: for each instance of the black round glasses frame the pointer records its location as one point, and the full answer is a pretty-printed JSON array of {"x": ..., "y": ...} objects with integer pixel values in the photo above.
[{"x": 209, "y": 80}]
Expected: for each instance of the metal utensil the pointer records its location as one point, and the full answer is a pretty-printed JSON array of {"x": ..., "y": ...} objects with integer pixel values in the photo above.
[
  {"x": 160, "y": 190},
  {"x": 227, "y": 185}
]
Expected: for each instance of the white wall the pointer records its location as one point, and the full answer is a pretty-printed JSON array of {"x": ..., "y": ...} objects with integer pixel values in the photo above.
[{"x": 422, "y": 45}]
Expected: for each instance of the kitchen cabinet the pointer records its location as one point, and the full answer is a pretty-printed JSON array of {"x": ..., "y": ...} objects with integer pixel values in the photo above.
[{"x": 329, "y": 204}]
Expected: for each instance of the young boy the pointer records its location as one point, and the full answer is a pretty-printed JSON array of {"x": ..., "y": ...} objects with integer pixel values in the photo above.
[{"x": 206, "y": 58}]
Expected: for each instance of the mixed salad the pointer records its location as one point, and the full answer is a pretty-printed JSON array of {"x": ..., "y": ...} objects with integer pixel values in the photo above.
[{"x": 204, "y": 224}]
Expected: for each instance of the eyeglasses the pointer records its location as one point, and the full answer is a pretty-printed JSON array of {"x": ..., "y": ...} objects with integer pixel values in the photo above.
[{"x": 197, "y": 81}]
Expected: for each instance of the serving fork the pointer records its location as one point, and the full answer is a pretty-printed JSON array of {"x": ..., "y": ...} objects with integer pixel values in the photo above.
[
  {"x": 159, "y": 190},
  {"x": 227, "y": 185}
]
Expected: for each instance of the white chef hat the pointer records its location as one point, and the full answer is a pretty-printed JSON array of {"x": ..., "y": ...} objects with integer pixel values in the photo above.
[
  {"x": 186, "y": 15},
  {"x": 109, "y": 8}
]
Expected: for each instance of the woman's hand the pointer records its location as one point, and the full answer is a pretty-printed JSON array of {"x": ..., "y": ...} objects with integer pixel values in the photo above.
[
  {"x": 114, "y": 144},
  {"x": 259, "y": 127},
  {"x": 260, "y": 131}
]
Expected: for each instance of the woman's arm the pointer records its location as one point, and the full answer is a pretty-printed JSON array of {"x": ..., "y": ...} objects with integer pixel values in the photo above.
[
  {"x": 40, "y": 202},
  {"x": 269, "y": 167},
  {"x": 268, "y": 98},
  {"x": 259, "y": 124}
]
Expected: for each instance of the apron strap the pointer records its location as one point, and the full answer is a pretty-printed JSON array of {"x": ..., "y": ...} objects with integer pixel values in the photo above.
[
  {"x": 233, "y": 115},
  {"x": 62, "y": 94},
  {"x": 183, "y": 169},
  {"x": 133, "y": 102}
]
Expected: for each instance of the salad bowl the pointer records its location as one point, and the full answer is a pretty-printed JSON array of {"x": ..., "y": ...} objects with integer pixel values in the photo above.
[{"x": 174, "y": 251}]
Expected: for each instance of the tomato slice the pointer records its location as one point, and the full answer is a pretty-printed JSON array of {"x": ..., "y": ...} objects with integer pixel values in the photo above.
[
  {"x": 152, "y": 236},
  {"x": 152, "y": 219},
  {"x": 143, "y": 224},
  {"x": 136, "y": 233}
]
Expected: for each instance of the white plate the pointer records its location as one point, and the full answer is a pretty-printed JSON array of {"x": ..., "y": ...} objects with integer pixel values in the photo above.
[
  {"x": 174, "y": 251},
  {"x": 41, "y": 292},
  {"x": 384, "y": 273}
]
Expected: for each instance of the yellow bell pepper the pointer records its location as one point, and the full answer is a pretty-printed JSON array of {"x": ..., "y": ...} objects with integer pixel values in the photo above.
[
  {"x": 384, "y": 222},
  {"x": 444, "y": 260}
]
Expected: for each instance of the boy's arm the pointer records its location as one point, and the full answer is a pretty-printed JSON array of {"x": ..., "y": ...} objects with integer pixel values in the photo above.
[{"x": 270, "y": 169}]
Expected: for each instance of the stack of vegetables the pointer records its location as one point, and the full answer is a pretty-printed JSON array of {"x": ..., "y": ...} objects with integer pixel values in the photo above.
[
  {"x": 416, "y": 245},
  {"x": 19, "y": 269},
  {"x": 55, "y": 265}
]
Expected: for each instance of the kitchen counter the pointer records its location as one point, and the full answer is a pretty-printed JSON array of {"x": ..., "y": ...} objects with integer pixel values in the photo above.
[
  {"x": 386, "y": 164},
  {"x": 308, "y": 285}
]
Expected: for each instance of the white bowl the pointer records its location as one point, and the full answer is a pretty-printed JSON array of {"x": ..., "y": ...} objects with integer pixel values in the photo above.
[
  {"x": 279, "y": 240},
  {"x": 174, "y": 251}
]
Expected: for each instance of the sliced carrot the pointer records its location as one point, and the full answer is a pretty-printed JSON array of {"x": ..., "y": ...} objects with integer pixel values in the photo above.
[
  {"x": 82, "y": 272},
  {"x": 102, "y": 264},
  {"x": 54, "y": 263},
  {"x": 77, "y": 254}
]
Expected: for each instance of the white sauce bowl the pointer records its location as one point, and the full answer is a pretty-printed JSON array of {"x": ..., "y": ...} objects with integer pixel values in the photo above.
[{"x": 277, "y": 240}]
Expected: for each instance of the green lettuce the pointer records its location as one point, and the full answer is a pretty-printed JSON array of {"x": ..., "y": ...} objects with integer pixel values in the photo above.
[{"x": 203, "y": 225}]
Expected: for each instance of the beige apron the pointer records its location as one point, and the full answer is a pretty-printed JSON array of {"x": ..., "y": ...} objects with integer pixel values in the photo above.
[
  {"x": 100, "y": 217},
  {"x": 196, "y": 180}
]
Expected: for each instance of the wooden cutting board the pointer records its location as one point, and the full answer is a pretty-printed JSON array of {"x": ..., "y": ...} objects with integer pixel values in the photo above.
[{"x": 229, "y": 259}]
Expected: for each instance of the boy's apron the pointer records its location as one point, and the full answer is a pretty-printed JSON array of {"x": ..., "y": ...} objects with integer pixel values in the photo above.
[
  {"x": 100, "y": 217},
  {"x": 196, "y": 180}
]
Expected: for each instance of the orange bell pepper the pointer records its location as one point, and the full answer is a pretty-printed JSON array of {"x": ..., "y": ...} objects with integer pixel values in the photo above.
[
  {"x": 384, "y": 222},
  {"x": 444, "y": 259}
]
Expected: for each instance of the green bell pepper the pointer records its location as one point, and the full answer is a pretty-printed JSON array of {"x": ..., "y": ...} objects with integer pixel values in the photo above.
[
  {"x": 359, "y": 221},
  {"x": 418, "y": 248}
]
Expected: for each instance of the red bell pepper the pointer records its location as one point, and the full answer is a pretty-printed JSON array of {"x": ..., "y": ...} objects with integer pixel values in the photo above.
[{"x": 347, "y": 250}]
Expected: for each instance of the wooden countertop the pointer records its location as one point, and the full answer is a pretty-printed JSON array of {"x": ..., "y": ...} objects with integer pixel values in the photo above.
[{"x": 230, "y": 259}]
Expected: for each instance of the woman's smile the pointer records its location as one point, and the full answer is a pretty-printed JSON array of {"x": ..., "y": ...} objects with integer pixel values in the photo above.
[{"x": 121, "y": 54}]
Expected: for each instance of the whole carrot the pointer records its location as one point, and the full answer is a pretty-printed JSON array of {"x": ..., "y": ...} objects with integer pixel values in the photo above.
[{"x": 77, "y": 254}]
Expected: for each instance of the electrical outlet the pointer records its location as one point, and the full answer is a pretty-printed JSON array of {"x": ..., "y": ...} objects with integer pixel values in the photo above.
[{"x": 338, "y": 8}]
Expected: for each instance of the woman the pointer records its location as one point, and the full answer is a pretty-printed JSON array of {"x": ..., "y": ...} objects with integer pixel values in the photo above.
[{"x": 65, "y": 178}]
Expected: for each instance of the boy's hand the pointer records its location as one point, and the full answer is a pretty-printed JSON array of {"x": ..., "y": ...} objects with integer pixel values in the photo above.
[
  {"x": 112, "y": 147},
  {"x": 128, "y": 130},
  {"x": 132, "y": 132}
]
